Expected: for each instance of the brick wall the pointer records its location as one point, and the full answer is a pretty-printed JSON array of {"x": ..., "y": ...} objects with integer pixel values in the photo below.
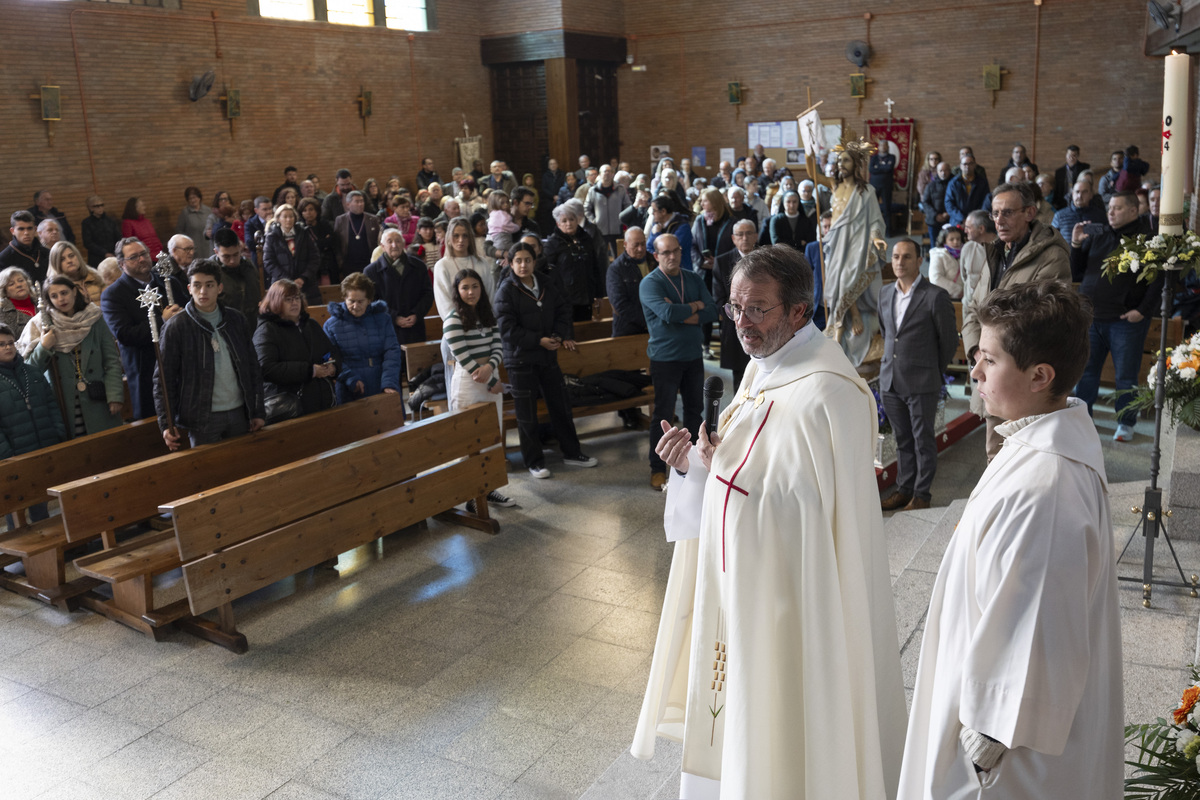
[
  {"x": 1094, "y": 86},
  {"x": 298, "y": 82}
]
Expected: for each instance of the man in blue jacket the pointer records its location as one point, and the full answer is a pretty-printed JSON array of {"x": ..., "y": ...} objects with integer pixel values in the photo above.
[
  {"x": 966, "y": 191},
  {"x": 664, "y": 220},
  {"x": 677, "y": 306}
]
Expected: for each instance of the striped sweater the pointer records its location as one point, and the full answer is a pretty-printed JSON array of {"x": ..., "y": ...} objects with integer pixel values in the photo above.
[{"x": 473, "y": 348}]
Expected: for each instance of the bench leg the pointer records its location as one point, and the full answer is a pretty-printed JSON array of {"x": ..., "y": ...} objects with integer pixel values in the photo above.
[
  {"x": 45, "y": 570},
  {"x": 480, "y": 520},
  {"x": 224, "y": 632},
  {"x": 131, "y": 599}
]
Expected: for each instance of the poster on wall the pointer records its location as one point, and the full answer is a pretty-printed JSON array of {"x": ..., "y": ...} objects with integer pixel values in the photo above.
[
  {"x": 727, "y": 154},
  {"x": 699, "y": 154},
  {"x": 658, "y": 152}
]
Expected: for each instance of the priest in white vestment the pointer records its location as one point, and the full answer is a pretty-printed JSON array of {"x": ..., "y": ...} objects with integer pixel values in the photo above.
[
  {"x": 1018, "y": 693},
  {"x": 777, "y": 663}
]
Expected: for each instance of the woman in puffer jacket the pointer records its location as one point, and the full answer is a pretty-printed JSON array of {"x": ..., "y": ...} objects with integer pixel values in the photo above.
[{"x": 361, "y": 328}]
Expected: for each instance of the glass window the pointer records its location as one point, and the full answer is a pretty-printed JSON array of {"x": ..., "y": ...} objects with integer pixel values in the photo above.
[
  {"x": 286, "y": 9},
  {"x": 351, "y": 12},
  {"x": 407, "y": 15}
]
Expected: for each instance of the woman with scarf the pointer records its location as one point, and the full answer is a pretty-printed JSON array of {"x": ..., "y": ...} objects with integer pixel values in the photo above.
[
  {"x": 290, "y": 253},
  {"x": 79, "y": 356},
  {"x": 65, "y": 259},
  {"x": 16, "y": 299}
]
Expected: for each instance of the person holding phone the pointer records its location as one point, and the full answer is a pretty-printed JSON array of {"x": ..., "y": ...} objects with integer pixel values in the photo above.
[{"x": 1121, "y": 307}]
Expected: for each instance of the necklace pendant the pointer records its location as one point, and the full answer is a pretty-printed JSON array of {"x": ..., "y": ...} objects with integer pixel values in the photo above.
[
  {"x": 539, "y": 302},
  {"x": 216, "y": 345},
  {"x": 81, "y": 386},
  {"x": 358, "y": 236}
]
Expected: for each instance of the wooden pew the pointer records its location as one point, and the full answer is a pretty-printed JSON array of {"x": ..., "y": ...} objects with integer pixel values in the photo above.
[
  {"x": 240, "y": 537},
  {"x": 132, "y": 494},
  {"x": 40, "y": 547},
  {"x": 319, "y": 314},
  {"x": 331, "y": 294}
]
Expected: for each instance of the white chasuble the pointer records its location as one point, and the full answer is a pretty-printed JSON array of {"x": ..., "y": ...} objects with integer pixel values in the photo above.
[
  {"x": 793, "y": 683},
  {"x": 1023, "y": 637}
]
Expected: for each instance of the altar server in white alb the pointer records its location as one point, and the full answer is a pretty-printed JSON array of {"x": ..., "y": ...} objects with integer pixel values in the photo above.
[
  {"x": 1018, "y": 691},
  {"x": 777, "y": 662}
]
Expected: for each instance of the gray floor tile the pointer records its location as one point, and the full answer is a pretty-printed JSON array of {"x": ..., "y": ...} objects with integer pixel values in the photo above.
[
  {"x": 289, "y": 743},
  {"x": 34, "y": 713},
  {"x": 223, "y": 778},
  {"x": 426, "y": 721},
  {"x": 572, "y": 764},
  {"x": 552, "y": 702},
  {"x": 145, "y": 766},
  {"x": 158, "y": 699},
  {"x": 360, "y": 768},
  {"x": 629, "y": 628},
  {"x": 596, "y": 663},
  {"x": 604, "y": 585},
  {"x": 502, "y": 745},
  {"x": 294, "y": 790},
  {"x": 432, "y": 778},
  {"x": 221, "y": 720}
]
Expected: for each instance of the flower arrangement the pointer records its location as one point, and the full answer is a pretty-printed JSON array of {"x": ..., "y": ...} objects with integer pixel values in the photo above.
[
  {"x": 1147, "y": 256},
  {"x": 1181, "y": 387},
  {"x": 1166, "y": 766}
]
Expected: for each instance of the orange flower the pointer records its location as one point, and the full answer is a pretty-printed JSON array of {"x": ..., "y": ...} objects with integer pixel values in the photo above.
[{"x": 1190, "y": 696}]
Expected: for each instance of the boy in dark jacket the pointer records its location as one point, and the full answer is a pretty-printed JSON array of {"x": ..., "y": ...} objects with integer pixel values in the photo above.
[{"x": 210, "y": 370}]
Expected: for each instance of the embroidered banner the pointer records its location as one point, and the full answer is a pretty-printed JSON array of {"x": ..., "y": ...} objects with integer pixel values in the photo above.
[{"x": 899, "y": 135}]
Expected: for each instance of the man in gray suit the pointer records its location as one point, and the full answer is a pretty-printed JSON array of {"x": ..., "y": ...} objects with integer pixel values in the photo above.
[{"x": 920, "y": 336}]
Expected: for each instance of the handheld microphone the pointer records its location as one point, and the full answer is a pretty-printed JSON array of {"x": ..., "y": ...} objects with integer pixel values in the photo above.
[{"x": 714, "y": 390}]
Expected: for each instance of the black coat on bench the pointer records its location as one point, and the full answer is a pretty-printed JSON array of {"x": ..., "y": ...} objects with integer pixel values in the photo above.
[{"x": 524, "y": 321}]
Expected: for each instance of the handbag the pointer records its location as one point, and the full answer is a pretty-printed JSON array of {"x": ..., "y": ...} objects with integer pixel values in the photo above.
[{"x": 282, "y": 406}]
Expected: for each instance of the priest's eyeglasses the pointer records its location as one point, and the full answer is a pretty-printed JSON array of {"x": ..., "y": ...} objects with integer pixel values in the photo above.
[{"x": 754, "y": 314}]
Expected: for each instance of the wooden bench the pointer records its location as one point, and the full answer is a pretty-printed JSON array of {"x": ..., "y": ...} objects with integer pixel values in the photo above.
[
  {"x": 331, "y": 294},
  {"x": 237, "y": 538},
  {"x": 319, "y": 314},
  {"x": 40, "y": 546},
  {"x": 132, "y": 494}
]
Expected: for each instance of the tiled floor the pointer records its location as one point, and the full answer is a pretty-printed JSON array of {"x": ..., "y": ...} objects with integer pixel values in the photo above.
[{"x": 436, "y": 662}]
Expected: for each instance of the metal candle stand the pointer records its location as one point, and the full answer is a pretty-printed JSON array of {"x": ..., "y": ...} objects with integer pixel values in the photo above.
[{"x": 1154, "y": 516}]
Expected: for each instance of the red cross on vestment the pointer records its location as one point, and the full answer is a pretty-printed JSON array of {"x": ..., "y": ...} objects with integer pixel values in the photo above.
[{"x": 731, "y": 483}]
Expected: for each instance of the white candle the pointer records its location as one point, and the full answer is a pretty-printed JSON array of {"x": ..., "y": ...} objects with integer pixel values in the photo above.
[{"x": 1174, "y": 143}]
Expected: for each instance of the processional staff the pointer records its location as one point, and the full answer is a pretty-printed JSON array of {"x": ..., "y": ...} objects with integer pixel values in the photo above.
[{"x": 150, "y": 299}]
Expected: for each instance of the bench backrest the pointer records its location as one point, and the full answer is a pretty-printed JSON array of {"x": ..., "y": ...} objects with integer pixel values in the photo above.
[
  {"x": 599, "y": 355},
  {"x": 237, "y": 538},
  {"x": 331, "y": 294},
  {"x": 433, "y": 327},
  {"x": 319, "y": 314},
  {"x": 130, "y": 494},
  {"x": 593, "y": 329},
  {"x": 419, "y": 355},
  {"x": 28, "y": 477}
]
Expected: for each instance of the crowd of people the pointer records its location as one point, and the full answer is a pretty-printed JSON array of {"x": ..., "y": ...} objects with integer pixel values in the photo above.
[
  {"x": 512, "y": 266},
  {"x": 534, "y": 257}
]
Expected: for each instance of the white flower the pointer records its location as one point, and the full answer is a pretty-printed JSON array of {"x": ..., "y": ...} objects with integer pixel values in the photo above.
[
  {"x": 1172, "y": 259},
  {"x": 1187, "y": 373},
  {"x": 1182, "y": 738},
  {"x": 1134, "y": 264}
]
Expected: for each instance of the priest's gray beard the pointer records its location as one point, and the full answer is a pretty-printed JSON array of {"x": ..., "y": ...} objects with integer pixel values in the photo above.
[{"x": 760, "y": 343}]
